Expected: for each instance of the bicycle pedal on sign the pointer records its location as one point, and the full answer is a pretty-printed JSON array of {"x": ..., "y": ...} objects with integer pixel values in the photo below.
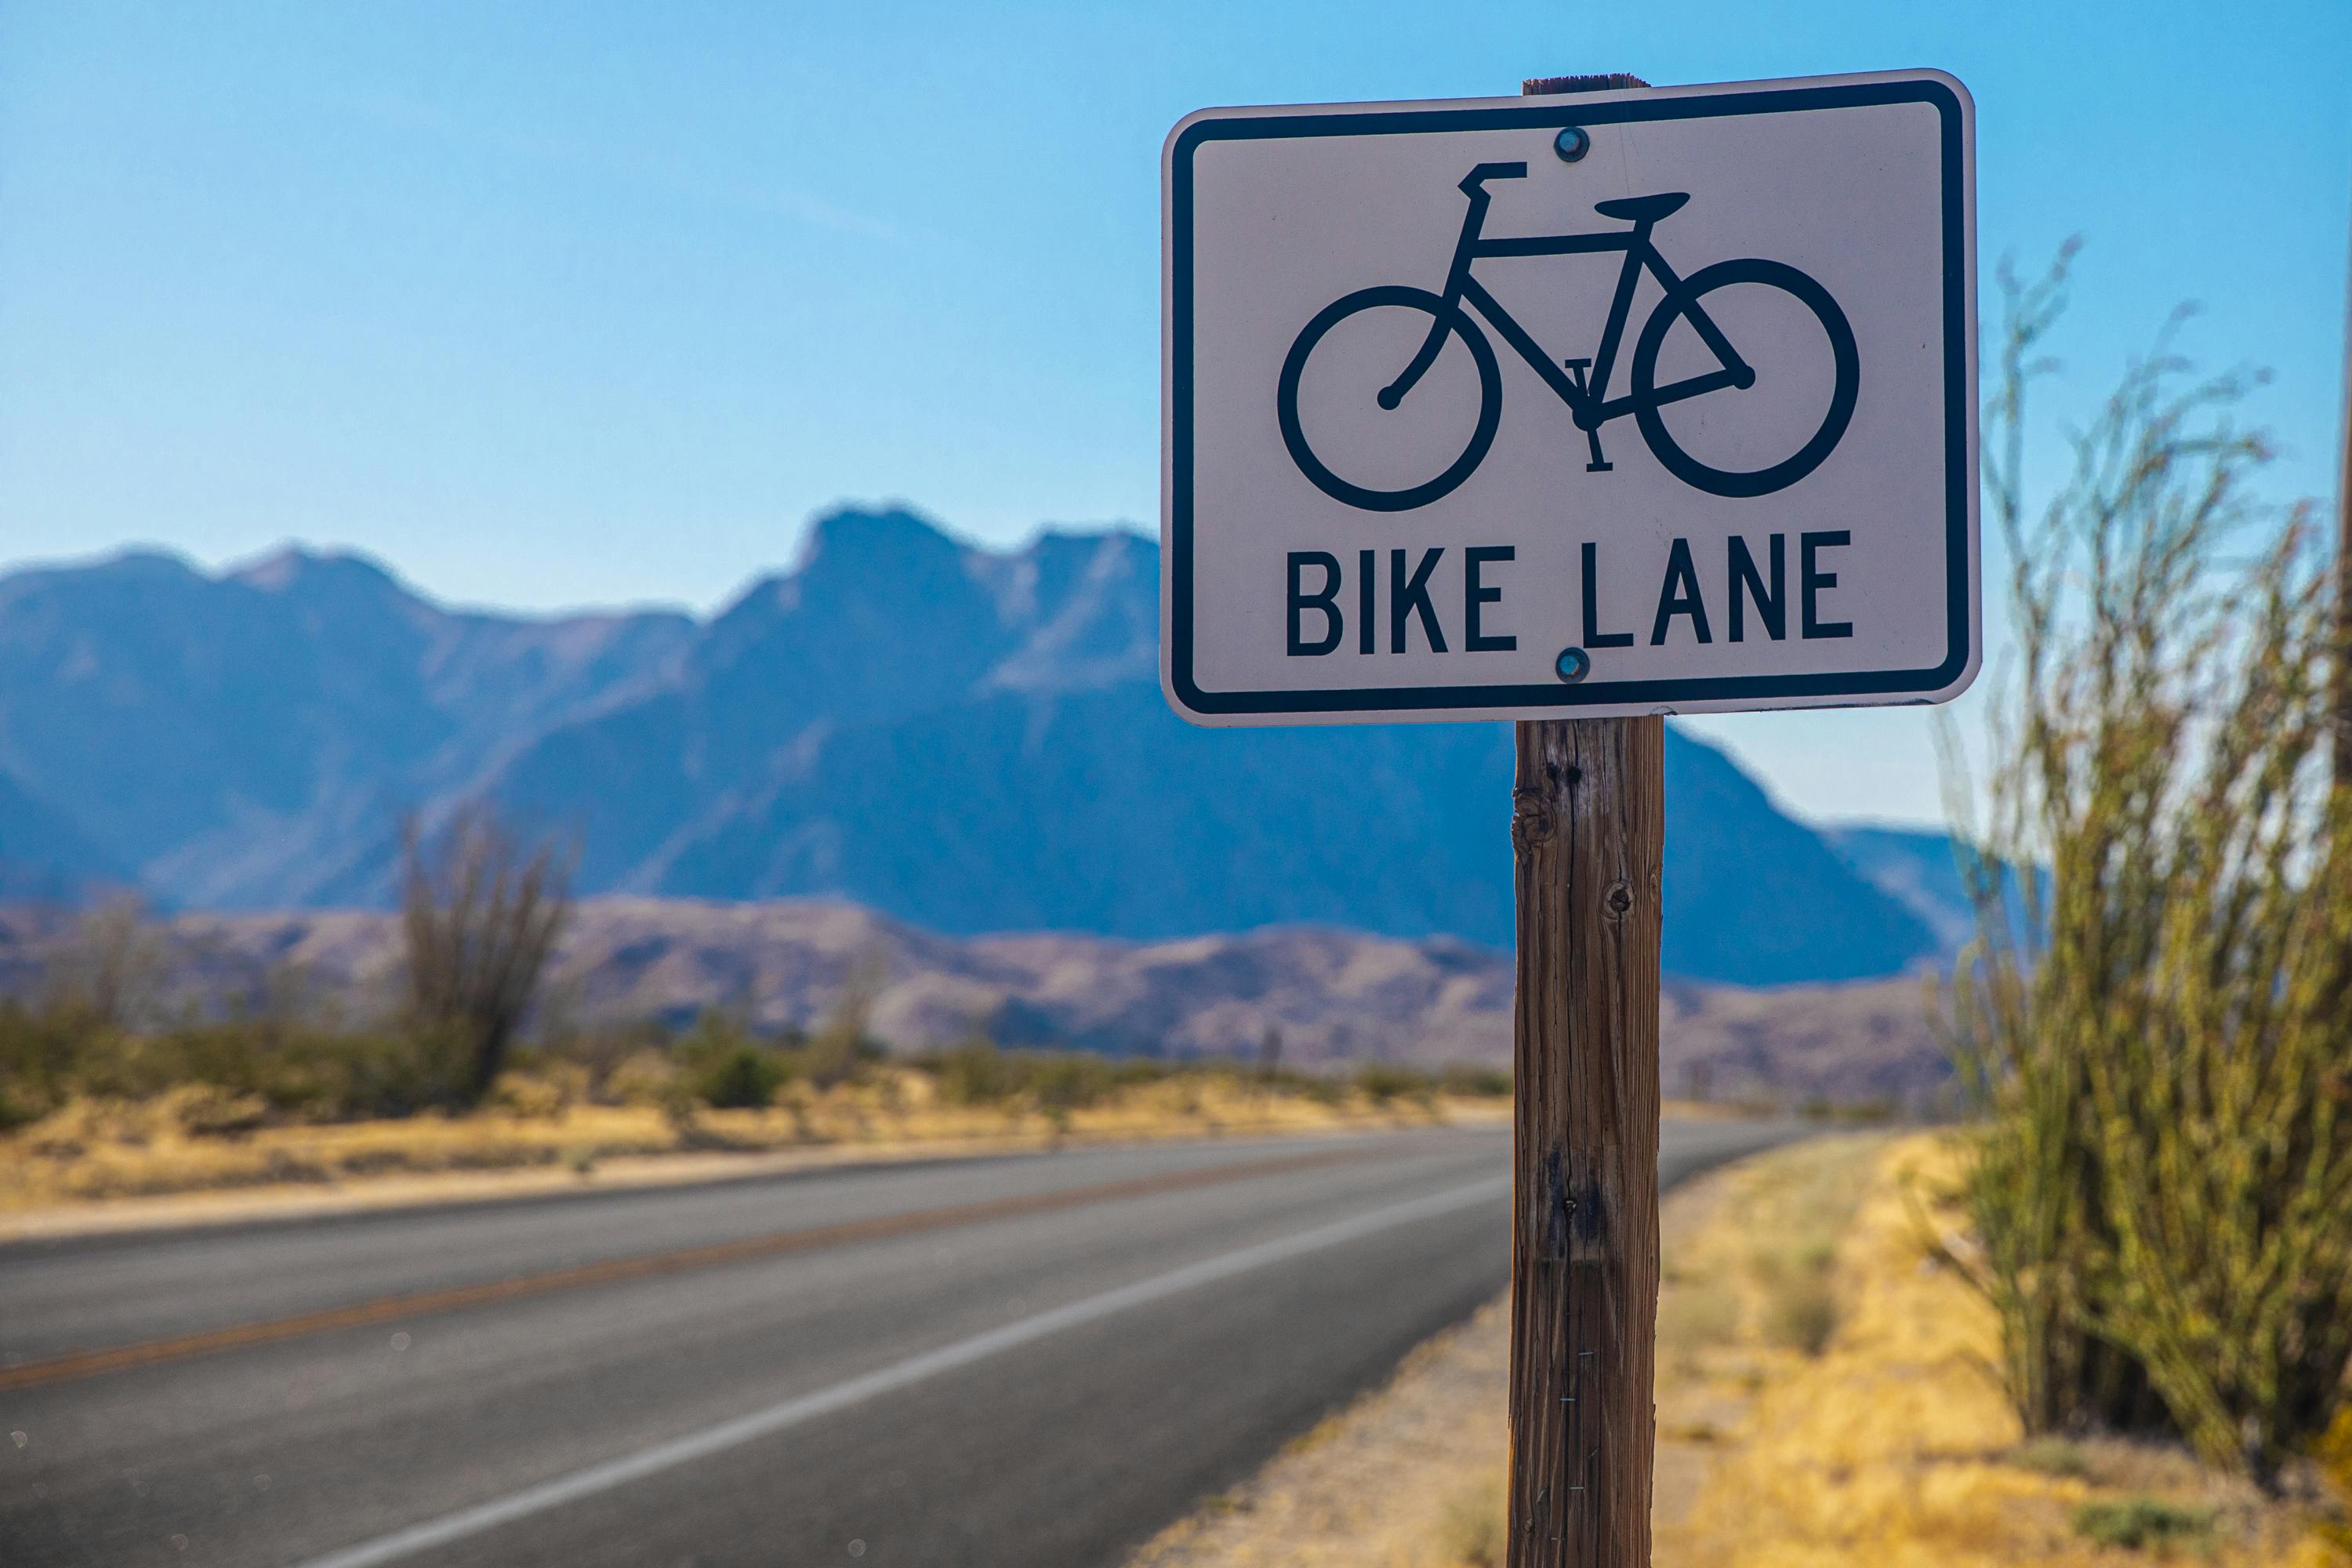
[{"x": 1582, "y": 383}]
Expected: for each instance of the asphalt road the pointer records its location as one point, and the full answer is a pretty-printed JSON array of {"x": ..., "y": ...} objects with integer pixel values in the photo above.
[{"x": 1032, "y": 1361}]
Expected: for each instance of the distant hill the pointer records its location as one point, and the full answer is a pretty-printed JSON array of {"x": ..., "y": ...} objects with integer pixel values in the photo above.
[
  {"x": 966, "y": 739},
  {"x": 1917, "y": 869},
  {"x": 1335, "y": 997},
  {"x": 1922, "y": 871}
]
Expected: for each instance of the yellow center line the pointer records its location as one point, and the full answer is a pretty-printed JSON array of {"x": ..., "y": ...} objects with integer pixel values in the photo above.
[{"x": 773, "y": 1244}]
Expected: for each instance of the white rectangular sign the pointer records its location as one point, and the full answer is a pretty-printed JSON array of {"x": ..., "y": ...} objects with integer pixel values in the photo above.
[{"x": 1652, "y": 401}]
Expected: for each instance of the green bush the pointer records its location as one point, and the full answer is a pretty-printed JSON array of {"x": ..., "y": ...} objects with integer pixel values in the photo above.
[
  {"x": 725, "y": 1067},
  {"x": 599, "y": 1052},
  {"x": 975, "y": 1073},
  {"x": 1065, "y": 1083},
  {"x": 98, "y": 1030},
  {"x": 1380, "y": 1083},
  {"x": 1057, "y": 1082},
  {"x": 1468, "y": 1082},
  {"x": 2057, "y": 1457},
  {"x": 306, "y": 1071},
  {"x": 38, "y": 1051},
  {"x": 740, "y": 1078},
  {"x": 1317, "y": 1087},
  {"x": 2137, "y": 1524},
  {"x": 2160, "y": 1044},
  {"x": 1138, "y": 1072}
]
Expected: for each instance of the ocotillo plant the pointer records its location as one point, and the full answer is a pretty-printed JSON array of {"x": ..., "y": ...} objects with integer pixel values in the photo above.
[
  {"x": 480, "y": 910},
  {"x": 2160, "y": 1035}
]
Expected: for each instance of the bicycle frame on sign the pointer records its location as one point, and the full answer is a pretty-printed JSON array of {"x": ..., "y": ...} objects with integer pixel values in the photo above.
[{"x": 1588, "y": 403}]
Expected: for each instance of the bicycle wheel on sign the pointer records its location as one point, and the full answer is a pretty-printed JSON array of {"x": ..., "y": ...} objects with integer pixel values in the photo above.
[
  {"x": 1380, "y": 335},
  {"x": 1760, "y": 398}
]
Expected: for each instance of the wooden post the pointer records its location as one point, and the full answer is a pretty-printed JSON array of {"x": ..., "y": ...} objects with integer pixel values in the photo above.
[{"x": 1587, "y": 837}]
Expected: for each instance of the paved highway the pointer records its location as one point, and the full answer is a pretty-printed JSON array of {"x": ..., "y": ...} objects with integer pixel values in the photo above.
[{"x": 1033, "y": 1360}]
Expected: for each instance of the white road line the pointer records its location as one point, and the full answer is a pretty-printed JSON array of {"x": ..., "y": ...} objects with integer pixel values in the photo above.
[{"x": 604, "y": 1477}]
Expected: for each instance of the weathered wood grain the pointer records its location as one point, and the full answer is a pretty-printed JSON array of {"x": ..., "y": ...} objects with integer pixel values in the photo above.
[{"x": 1587, "y": 831}]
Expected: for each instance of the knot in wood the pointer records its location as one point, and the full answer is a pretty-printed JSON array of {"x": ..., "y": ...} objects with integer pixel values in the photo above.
[
  {"x": 1530, "y": 821},
  {"x": 1618, "y": 900}
]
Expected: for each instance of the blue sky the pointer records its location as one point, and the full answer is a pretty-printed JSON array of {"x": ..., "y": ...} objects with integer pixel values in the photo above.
[{"x": 564, "y": 304}]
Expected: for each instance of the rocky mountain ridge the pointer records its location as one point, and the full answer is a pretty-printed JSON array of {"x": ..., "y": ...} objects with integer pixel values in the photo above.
[{"x": 964, "y": 739}]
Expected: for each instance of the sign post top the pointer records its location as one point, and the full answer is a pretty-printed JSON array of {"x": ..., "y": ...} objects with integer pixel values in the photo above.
[{"x": 1621, "y": 402}]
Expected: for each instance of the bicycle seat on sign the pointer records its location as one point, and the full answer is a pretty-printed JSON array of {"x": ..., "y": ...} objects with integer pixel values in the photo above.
[{"x": 1643, "y": 209}]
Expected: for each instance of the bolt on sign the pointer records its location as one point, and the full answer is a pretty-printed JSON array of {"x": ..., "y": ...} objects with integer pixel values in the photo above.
[{"x": 1605, "y": 404}]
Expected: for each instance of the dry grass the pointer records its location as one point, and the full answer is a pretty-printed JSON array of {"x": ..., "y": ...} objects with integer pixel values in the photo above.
[
  {"x": 187, "y": 1142},
  {"x": 1896, "y": 1445}
]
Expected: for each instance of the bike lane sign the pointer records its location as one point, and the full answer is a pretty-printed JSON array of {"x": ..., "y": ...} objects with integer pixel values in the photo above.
[{"x": 1612, "y": 403}]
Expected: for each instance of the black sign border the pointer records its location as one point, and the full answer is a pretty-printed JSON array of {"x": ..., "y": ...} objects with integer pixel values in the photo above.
[{"x": 1543, "y": 114}]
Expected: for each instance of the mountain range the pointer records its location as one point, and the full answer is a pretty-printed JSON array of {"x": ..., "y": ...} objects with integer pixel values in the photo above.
[{"x": 967, "y": 739}]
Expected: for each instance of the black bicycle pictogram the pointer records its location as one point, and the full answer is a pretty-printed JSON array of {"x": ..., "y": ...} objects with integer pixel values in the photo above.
[{"x": 1581, "y": 383}]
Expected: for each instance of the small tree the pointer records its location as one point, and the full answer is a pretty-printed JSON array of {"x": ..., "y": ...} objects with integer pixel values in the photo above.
[
  {"x": 1269, "y": 1056},
  {"x": 480, "y": 914},
  {"x": 839, "y": 1048},
  {"x": 2161, "y": 1041},
  {"x": 105, "y": 976}
]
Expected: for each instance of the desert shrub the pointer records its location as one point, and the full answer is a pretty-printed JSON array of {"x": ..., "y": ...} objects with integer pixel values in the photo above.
[
  {"x": 1805, "y": 1207},
  {"x": 2160, "y": 1043},
  {"x": 840, "y": 1048},
  {"x": 480, "y": 910},
  {"x": 97, "y": 989},
  {"x": 742, "y": 1077},
  {"x": 596, "y": 1051},
  {"x": 2052, "y": 1456},
  {"x": 1800, "y": 1305},
  {"x": 2138, "y": 1524},
  {"x": 104, "y": 975},
  {"x": 337, "y": 1075},
  {"x": 1056, "y": 1082},
  {"x": 38, "y": 1052},
  {"x": 313, "y": 1072},
  {"x": 1140, "y": 1072},
  {"x": 542, "y": 1090},
  {"x": 975, "y": 1073},
  {"x": 727, "y": 1067},
  {"x": 205, "y": 1110},
  {"x": 1319, "y": 1088},
  {"x": 648, "y": 1076},
  {"x": 1381, "y": 1082},
  {"x": 99, "y": 1028},
  {"x": 1062, "y": 1083},
  {"x": 1469, "y": 1082}
]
